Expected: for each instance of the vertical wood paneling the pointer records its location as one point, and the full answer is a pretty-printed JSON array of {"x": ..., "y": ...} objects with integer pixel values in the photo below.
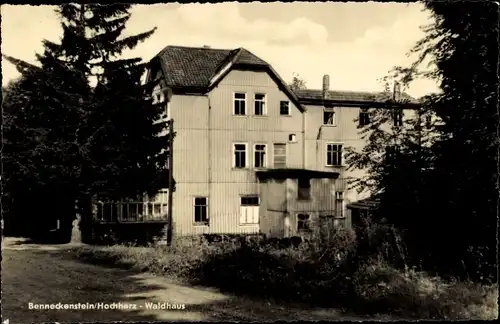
[{"x": 203, "y": 154}]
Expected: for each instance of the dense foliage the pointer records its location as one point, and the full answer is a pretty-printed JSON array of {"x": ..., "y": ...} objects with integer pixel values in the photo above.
[
  {"x": 65, "y": 139},
  {"x": 297, "y": 83},
  {"x": 438, "y": 184}
]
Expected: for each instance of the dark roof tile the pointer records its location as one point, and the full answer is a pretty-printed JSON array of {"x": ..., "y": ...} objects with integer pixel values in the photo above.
[
  {"x": 245, "y": 57},
  {"x": 191, "y": 67},
  {"x": 195, "y": 66}
]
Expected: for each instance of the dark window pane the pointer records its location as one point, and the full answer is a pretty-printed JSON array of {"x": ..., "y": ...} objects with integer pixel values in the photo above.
[
  {"x": 304, "y": 183},
  {"x": 328, "y": 117},
  {"x": 200, "y": 201},
  {"x": 284, "y": 108}
]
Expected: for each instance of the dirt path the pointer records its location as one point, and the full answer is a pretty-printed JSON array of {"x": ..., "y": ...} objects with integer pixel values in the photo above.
[{"x": 41, "y": 274}]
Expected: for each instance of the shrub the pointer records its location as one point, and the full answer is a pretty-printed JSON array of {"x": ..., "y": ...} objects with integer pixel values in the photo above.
[
  {"x": 418, "y": 295},
  {"x": 322, "y": 271}
]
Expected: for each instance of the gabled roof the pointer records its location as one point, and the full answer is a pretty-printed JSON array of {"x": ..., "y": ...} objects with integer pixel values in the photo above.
[
  {"x": 190, "y": 67},
  {"x": 201, "y": 68}
]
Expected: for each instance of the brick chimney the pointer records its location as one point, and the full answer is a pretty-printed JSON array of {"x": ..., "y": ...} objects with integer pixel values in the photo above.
[
  {"x": 396, "y": 95},
  {"x": 326, "y": 86}
]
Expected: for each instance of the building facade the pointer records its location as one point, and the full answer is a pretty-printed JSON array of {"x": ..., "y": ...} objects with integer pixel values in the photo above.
[{"x": 250, "y": 155}]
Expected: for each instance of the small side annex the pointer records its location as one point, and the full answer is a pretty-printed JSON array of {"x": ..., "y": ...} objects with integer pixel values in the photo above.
[{"x": 295, "y": 202}]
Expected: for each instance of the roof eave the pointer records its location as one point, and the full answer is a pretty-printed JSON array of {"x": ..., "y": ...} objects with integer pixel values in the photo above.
[
  {"x": 357, "y": 103},
  {"x": 187, "y": 90},
  {"x": 295, "y": 173}
]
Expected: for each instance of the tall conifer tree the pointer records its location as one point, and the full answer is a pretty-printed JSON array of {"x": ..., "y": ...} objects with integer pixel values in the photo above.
[{"x": 88, "y": 140}]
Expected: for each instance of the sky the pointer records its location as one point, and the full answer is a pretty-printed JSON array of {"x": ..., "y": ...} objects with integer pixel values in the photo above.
[{"x": 355, "y": 43}]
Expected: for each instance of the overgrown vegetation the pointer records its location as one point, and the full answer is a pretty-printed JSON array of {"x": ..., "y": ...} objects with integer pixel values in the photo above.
[
  {"x": 322, "y": 272},
  {"x": 65, "y": 139},
  {"x": 436, "y": 176}
]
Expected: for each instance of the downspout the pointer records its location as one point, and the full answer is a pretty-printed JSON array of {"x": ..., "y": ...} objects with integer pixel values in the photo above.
[
  {"x": 304, "y": 161},
  {"x": 209, "y": 145},
  {"x": 318, "y": 158}
]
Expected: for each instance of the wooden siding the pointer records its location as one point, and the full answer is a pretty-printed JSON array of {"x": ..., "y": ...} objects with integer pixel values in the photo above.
[
  {"x": 206, "y": 131},
  {"x": 203, "y": 149},
  {"x": 282, "y": 203},
  {"x": 346, "y": 132}
]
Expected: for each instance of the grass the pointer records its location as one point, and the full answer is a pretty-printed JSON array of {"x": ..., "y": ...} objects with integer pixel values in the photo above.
[{"x": 317, "y": 273}]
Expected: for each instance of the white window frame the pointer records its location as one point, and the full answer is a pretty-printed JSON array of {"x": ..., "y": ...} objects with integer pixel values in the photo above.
[
  {"x": 201, "y": 223},
  {"x": 265, "y": 155},
  {"x": 339, "y": 199},
  {"x": 244, "y": 100},
  {"x": 246, "y": 155},
  {"x": 289, "y": 108},
  {"x": 341, "y": 154},
  {"x": 274, "y": 154},
  {"x": 334, "y": 118},
  {"x": 249, "y": 210},
  {"x": 264, "y": 104}
]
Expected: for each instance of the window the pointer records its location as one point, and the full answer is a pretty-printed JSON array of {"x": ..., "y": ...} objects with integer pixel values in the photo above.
[
  {"x": 304, "y": 189},
  {"x": 328, "y": 116},
  {"x": 364, "y": 117},
  {"x": 249, "y": 210},
  {"x": 260, "y": 104},
  {"x": 240, "y": 103},
  {"x": 260, "y": 156},
  {"x": 240, "y": 156},
  {"x": 397, "y": 117},
  {"x": 284, "y": 108},
  {"x": 158, "y": 205},
  {"x": 334, "y": 154},
  {"x": 161, "y": 196},
  {"x": 201, "y": 210},
  {"x": 292, "y": 138},
  {"x": 279, "y": 155},
  {"x": 303, "y": 223},
  {"x": 339, "y": 203}
]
